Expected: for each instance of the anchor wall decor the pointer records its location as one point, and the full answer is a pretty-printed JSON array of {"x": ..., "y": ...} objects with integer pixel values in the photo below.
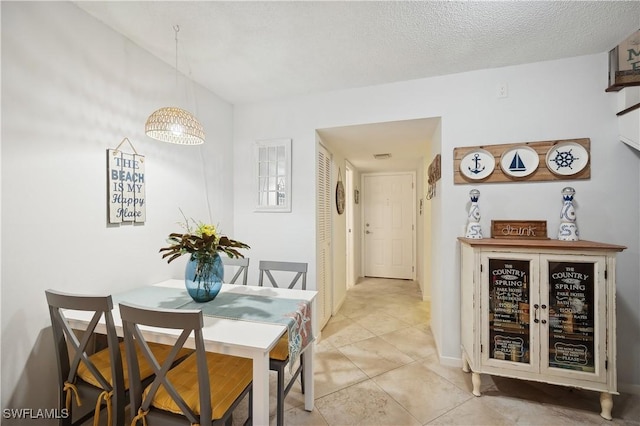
[
  {"x": 527, "y": 161},
  {"x": 477, "y": 164}
]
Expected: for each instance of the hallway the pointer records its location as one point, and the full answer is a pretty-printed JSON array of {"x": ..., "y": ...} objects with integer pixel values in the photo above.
[{"x": 377, "y": 364}]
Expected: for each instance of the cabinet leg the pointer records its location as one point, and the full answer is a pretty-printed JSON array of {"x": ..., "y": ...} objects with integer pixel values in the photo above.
[
  {"x": 465, "y": 365},
  {"x": 606, "y": 404},
  {"x": 476, "y": 381}
]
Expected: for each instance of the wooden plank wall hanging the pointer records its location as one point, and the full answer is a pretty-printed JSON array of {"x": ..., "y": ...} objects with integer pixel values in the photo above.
[
  {"x": 623, "y": 64},
  {"x": 567, "y": 159},
  {"x": 434, "y": 176},
  {"x": 125, "y": 177}
]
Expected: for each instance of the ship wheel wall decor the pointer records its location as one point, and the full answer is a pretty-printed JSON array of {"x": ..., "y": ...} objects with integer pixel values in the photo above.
[{"x": 340, "y": 194}]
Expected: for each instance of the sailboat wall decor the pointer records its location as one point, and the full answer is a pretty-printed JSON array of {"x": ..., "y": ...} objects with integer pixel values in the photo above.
[{"x": 519, "y": 162}]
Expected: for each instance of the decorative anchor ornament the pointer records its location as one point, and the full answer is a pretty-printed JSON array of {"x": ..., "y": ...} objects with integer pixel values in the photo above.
[
  {"x": 568, "y": 229},
  {"x": 473, "y": 218},
  {"x": 477, "y": 169}
]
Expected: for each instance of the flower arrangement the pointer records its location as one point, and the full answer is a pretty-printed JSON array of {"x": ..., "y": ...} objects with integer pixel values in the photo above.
[
  {"x": 204, "y": 272},
  {"x": 200, "y": 239}
]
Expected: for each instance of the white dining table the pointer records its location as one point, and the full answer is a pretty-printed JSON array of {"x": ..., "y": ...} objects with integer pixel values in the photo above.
[{"x": 248, "y": 339}]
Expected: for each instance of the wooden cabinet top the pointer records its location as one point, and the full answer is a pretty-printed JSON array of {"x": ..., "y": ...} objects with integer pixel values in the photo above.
[{"x": 540, "y": 244}]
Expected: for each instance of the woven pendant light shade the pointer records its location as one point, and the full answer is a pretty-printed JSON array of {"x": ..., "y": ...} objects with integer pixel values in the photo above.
[{"x": 174, "y": 125}]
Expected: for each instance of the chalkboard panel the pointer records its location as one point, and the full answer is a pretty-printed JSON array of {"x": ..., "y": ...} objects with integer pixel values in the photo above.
[
  {"x": 509, "y": 297},
  {"x": 571, "y": 316}
]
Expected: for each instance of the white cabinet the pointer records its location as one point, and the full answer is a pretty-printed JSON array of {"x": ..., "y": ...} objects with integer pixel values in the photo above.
[
  {"x": 628, "y": 117},
  {"x": 541, "y": 310}
]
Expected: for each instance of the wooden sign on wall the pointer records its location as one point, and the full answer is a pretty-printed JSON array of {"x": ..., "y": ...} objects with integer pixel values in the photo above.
[
  {"x": 126, "y": 182},
  {"x": 434, "y": 176},
  {"x": 517, "y": 162},
  {"x": 623, "y": 64}
]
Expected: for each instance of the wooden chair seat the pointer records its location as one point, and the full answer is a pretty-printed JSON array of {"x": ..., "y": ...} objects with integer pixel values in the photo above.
[
  {"x": 102, "y": 362},
  {"x": 230, "y": 375},
  {"x": 280, "y": 351}
]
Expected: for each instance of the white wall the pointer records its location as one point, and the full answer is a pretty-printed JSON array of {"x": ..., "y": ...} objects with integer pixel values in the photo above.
[
  {"x": 547, "y": 101},
  {"x": 423, "y": 228},
  {"x": 71, "y": 89},
  {"x": 437, "y": 216}
]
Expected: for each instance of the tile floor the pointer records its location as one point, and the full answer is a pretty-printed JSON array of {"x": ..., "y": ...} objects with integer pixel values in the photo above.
[{"x": 376, "y": 364}]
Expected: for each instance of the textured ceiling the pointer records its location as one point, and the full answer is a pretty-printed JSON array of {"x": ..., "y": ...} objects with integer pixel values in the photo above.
[
  {"x": 253, "y": 51},
  {"x": 256, "y": 51}
]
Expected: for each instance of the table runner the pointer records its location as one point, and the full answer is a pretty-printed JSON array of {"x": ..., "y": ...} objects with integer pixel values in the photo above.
[
  {"x": 154, "y": 297},
  {"x": 294, "y": 313}
]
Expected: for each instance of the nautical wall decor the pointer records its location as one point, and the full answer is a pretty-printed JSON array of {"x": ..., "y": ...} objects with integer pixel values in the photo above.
[
  {"x": 473, "y": 217},
  {"x": 519, "y": 161},
  {"x": 567, "y": 158},
  {"x": 529, "y": 161},
  {"x": 568, "y": 228},
  {"x": 478, "y": 164},
  {"x": 125, "y": 177},
  {"x": 434, "y": 176}
]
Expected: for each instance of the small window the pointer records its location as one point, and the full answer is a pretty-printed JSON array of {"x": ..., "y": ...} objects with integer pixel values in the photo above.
[{"x": 273, "y": 175}]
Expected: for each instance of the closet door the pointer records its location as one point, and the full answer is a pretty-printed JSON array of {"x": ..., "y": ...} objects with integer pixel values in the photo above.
[{"x": 323, "y": 231}]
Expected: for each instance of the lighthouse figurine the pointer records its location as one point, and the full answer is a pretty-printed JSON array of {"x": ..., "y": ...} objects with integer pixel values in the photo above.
[
  {"x": 568, "y": 229},
  {"x": 473, "y": 218}
]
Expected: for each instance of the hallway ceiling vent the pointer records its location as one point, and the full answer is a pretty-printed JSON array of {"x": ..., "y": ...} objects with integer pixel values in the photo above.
[{"x": 382, "y": 156}]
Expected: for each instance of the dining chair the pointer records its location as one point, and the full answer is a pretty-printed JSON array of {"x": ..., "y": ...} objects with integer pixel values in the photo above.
[
  {"x": 86, "y": 377},
  {"x": 243, "y": 267},
  {"x": 93, "y": 380},
  {"x": 203, "y": 389},
  {"x": 279, "y": 355}
]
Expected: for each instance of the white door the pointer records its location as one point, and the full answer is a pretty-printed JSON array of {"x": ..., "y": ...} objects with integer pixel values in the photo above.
[
  {"x": 323, "y": 205},
  {"x": 388, "y": 201},
  {"x": 350, "y": 243}
]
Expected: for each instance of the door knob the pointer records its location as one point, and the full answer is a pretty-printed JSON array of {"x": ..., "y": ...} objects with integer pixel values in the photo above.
[{"x": 368, "y": 232}]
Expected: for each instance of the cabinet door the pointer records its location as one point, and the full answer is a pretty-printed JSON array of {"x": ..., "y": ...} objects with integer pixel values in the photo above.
[
  {"x": 573, "y": 321},
  {"x": 509, "y": 291}
]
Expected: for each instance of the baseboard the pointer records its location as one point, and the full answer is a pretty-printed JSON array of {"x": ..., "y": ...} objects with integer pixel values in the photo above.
[
  {"x": 446, "y": 361},
  {"x": 629, "y": 388},
  {"x": 336, "y": 308},
  {"x": 450, "y": 361}
]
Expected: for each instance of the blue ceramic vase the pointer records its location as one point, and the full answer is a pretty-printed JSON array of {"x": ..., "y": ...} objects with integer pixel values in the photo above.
[{"x": 203, "y": 276}]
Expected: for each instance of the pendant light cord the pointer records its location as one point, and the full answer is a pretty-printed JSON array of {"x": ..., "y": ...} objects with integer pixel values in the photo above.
[{"x": 176, "y": 28}]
